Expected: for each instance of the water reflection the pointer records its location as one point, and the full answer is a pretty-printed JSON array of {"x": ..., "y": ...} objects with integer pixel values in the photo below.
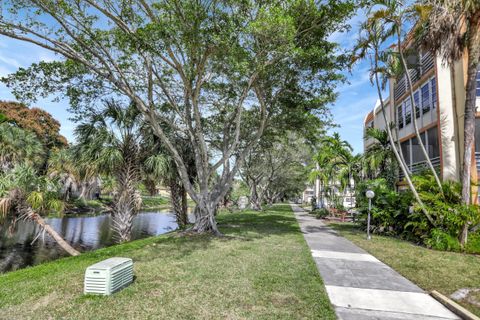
[{"x": 83, "y": 233}]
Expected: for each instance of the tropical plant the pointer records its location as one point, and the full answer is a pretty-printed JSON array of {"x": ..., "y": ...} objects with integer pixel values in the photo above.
[
  {"x": 451, "y": 28},
  {"x": 24, "y": 195},
  {"x": 379, "y": 158},
  {"x": 80, "y": 179},
  {"x": 18, "y": 146},
  {"x": 337, "y": 169},
  {"x": 111, "y": 141},
  {"x": 162, "y": 168}
]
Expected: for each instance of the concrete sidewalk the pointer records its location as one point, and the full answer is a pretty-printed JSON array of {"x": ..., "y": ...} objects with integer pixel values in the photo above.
[{"x": 359, "y": 285}]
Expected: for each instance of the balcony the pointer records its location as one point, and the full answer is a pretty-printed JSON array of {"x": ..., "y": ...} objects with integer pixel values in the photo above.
[
  {"x": 423, "y": 165},
  {"x": 424, "y": 65}
]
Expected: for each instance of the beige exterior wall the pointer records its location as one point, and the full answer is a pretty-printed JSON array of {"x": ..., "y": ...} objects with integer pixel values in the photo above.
[{"x": 448, "y": 114}]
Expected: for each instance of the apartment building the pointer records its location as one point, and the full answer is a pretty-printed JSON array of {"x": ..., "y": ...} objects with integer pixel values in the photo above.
[{"x": 439, "y": 94}]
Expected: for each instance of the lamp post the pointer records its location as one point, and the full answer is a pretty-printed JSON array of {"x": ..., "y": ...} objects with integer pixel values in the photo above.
[{"x": 370, "y": 194}]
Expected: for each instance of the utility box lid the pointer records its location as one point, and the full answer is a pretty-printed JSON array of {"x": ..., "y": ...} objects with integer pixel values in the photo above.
[{"x": 109, "y": 264}]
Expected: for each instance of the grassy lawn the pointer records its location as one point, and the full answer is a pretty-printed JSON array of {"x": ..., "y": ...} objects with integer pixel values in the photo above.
[
  {"x": 262, "y": 269},
  {"x": 99, "y": 206},
  {"x": 445, "y": 272}
]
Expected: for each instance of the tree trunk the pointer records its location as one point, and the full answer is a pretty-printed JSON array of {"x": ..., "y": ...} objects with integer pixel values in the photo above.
[
  {"x": 414, "y": 116},
  {"x": 394, "y": 148},
  {"x": 205, "y": 216},
  {"x": 151, "y": 187},
  {"x": 127, "y": 201},
  {"x": 178, "y": 200},
  {"x": 469, "y": 118},
  {"x": 185, "y": 204},
  {"x": 61, "y": 242},
  {"x": 254, "y": 199}
]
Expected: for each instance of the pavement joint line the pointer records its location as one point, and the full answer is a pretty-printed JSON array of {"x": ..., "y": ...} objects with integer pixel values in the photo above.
[
  {"x": 351, "y": 256},
  {"x": 384, "y": 294},
  {"x": 387, "y": 300}
]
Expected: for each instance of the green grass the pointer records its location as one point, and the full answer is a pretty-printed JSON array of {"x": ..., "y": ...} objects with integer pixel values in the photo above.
[
  {"x": 99, "y": 206},
  {"x": 443, "y": 271},
  {"x": 262, "y": 269},
  {"x": 156, "y": 202}
]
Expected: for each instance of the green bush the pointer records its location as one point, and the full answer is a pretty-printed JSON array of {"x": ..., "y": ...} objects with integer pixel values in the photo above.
[
  {"x": 320, "y": 213},
  {"x": 440, "y": 240},
  {"x": 389, "y": 208},
  {"x": 397, "y": 214},
  {"x": 473, "y": 243}
]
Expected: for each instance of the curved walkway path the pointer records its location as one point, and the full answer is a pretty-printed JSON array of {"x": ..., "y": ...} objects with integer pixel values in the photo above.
[{"x": 358, "y": 284}]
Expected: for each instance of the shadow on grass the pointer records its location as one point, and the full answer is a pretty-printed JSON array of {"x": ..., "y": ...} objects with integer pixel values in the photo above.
[{"x": 239, "y": 226}]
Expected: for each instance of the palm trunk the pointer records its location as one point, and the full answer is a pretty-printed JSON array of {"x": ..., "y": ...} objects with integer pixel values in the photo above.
[
  {"x": 394, "y": 148},
  {"x": 413, "y": 114},
  {"x": 61, "y": 242},
  {"x": 127, "y": 201},
  {"x": 177, "y": 195},
  {"x": 469, "y": 119}
]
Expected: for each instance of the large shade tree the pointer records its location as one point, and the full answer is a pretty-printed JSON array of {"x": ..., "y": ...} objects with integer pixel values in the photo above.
[
  {"x": 36, "y": 120},
  {"x": 194, "y": 66}
]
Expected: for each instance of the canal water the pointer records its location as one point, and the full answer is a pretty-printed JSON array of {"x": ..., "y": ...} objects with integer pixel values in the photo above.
[{"x": 82, "y": 232}]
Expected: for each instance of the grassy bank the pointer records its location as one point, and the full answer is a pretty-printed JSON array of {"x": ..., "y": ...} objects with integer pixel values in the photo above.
[
  {"x": 445, "y": 272},
  {"x": 262, "y": 269},
  {"x": 103, "y": 204}
]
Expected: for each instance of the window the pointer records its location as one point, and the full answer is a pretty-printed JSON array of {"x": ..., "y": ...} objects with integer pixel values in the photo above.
[
  {"x": 417, "y": 153},
  {"x": 478, "y": 83},
  {"x": 425, "y": 98},
  {"x": 432, "y": 145},
  {"x": 408, "y": 111},
  {"x": 400, "y": 116},
  {"x": 433, "y": 87},
  {"x": 416, "y": 99},
  {"x": 406, "y": 151},
  {"x": 477, "y": 135}
]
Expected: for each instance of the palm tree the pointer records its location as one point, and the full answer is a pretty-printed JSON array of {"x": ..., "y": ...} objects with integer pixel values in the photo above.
[
  {"x": 24, "y": 194},
  {"x": 452, "y": 28},
  {"x": 369, "y": 45},
  {"x": 392, "y": 15},
  {"x": 379, "y": 159},
  {"x": 162, "y": 168},
  {"x": 112, "y": 142},
  {"x": 18, "y": 146}
]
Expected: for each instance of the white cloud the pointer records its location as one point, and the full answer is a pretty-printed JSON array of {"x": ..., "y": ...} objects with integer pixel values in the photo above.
[{"x": 9, "y": 61}]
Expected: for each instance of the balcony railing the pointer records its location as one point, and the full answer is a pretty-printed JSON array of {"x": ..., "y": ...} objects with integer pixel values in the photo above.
[
  {"x": 423, "y": 165},
  {"x": 425, "y": 64},
  {"x": 477, "y": 160}
]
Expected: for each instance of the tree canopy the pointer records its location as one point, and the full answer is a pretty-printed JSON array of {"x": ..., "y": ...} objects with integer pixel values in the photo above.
[
  {"x": 215, "y": 72},
  {"x": 35, "y": 120}
]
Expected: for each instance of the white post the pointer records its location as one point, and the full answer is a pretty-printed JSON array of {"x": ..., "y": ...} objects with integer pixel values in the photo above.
[
  {"x": 317, "y": 187},
  {"x": 369, "y": 194}
]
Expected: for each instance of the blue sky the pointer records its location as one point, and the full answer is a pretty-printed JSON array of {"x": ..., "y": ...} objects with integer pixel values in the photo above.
[{"x": 355, "y": 99}]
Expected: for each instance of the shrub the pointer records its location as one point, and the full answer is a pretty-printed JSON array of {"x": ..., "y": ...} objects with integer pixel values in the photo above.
[
  {"x": 473, "y": 243},
  {"x": 392, "y": 213},
  {"x": 320, "y": 213},
  {"x": 440, "y": 240}
]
